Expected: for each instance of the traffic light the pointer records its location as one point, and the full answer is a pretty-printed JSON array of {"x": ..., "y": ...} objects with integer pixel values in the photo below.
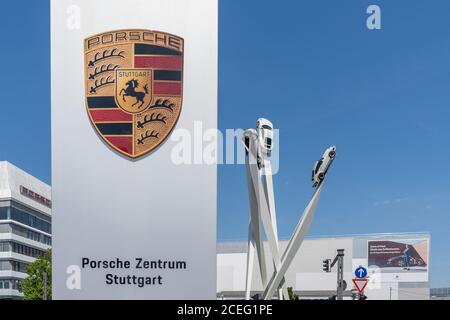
[{"x": 326, "y": 265}]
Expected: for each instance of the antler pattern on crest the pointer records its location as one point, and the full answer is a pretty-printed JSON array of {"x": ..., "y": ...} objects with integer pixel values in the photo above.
[
  {"x": 103, "y": 69},
  {"x": 148, "y": 135},
  {"x": 105, "y": 55},
  {"x": 99, "y": 84},
  {"x": 154, "y": 117},
  {"x": 163, "y": 104}
]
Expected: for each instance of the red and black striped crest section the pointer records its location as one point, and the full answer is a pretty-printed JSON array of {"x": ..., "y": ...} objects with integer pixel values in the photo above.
[
  {"x": 115, "y": 125},
  {"x": 167, "y": 65}
]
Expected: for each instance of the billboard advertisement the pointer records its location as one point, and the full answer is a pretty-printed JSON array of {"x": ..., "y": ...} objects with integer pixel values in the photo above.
[
  {"x": 128, "y": 77},
  {"x": 395, "y": 255}
]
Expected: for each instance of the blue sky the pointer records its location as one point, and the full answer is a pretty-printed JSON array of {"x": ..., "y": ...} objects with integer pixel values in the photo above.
[{"x": 313, "y": 68}]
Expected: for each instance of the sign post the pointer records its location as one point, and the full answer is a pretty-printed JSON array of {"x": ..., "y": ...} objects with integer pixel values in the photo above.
[
  {"x": 360, "y": 284},
  {"x": 360, "y": 281},
  {"x": 360, "y": 272}
]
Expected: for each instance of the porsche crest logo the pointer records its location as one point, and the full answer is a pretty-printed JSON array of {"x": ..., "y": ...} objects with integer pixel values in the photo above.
[{"x": 134, "y": 87}]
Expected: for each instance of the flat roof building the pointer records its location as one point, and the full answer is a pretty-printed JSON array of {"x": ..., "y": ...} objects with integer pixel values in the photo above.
[
  {"x": 397, "y": 265},
  {"x": 25, "y": 226}
]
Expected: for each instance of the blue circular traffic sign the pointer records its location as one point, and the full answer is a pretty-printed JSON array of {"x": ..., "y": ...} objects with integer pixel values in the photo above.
[{"x": 361, "y": 272}]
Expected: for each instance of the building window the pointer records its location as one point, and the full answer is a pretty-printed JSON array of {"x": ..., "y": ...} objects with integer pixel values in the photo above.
[
  {"x": 14, "y": 284},
  {"x": 47, "y": 240},
  {"x": 19, "y": 266},
  {"x": 26, "y": 250},
  {"x": 3, "y": 213},
  {"x": 4, "y": 247},
  {"x": 17, "y": 285},
  {"x": 30, "y": 220},
  {"x": 33, "y": 235},
  {"x": 5, "y": 265}
]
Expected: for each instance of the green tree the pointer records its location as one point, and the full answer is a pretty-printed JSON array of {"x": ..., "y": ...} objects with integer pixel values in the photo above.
[
  {"x": 33, "y": 285},
  {"x": 292, "y": 294}
]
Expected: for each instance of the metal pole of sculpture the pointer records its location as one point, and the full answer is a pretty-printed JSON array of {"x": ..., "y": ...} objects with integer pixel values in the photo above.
[
  {"x": 255, "y": 232},
  {"x": 258, "y": 147},
  {"x": 294, "y": 245},
  {"x": 262, "y": 212}
]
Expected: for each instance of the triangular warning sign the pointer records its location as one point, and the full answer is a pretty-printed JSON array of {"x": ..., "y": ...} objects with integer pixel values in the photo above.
[{"x": 360, "y": 284}]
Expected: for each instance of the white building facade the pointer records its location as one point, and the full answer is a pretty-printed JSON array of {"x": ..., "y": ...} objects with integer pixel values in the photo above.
[
  {"x": 397, "y": 267},
  {"x": 25, "y": 226}
]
